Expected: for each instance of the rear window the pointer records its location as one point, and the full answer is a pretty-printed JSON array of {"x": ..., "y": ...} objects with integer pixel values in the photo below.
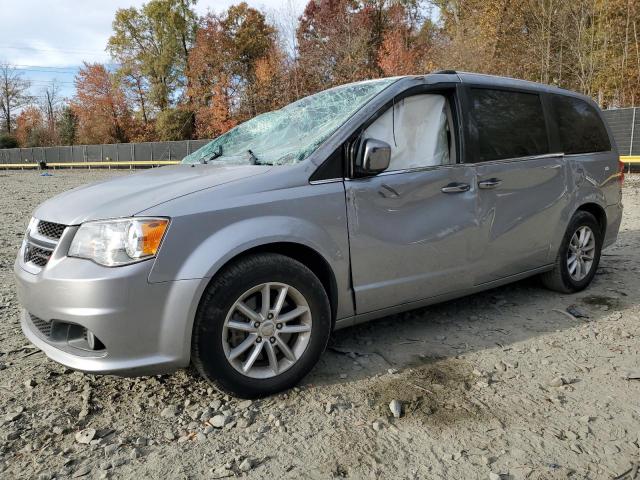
[
  {"x": 509, "y": 124},
  {"x": 580, "y": 127}
]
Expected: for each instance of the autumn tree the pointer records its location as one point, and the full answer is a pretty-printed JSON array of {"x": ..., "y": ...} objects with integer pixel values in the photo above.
[
  {"x": 343, "y": 41},
  {"x": 152, "y": 45},
  {"x": 223, "y": 68},
  {"x": 334, "y": 44},
  {"x": 137, "y": 90},
  {"x": 209, "y": 82},
  {"x": 605, "y": 54},
  {"x": 30, "y": 127},
  {"x": 50, "y": 104},
  {"x": 250, "y": 38},
  {"x": 591, "y": 46},
  {"x": 285, "y": 20},
  {"x": 100, "y": 106},
  {"x": 407, "y": 41},
  {"x": 13, "y": 95},
  {"x": 269, "y": 88}
]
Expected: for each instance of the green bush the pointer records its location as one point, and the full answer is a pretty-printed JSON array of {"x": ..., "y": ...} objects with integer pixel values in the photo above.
[
  {"x": 174, "y": 124},
  {"x": 8, "y": 141}
]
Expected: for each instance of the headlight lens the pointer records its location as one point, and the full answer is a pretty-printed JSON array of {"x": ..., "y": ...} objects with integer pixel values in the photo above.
[
  {"x": 32, "y": 223},
  {"x": 119, "y": 242}
]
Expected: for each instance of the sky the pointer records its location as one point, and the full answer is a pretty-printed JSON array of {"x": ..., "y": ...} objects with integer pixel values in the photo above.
[{"x": 49, "y": 39}]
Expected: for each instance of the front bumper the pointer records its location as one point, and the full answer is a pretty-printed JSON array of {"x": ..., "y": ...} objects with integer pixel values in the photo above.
[{"x": 145, "y": 327}]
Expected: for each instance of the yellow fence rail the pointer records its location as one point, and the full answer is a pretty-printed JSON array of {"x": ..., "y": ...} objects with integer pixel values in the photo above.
[{"x": 139, "y": 163}]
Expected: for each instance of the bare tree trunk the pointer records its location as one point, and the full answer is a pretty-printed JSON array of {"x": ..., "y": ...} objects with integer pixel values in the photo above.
[
  {"x": 13, "y": 93},
  {"x": 140, "y": 93}
]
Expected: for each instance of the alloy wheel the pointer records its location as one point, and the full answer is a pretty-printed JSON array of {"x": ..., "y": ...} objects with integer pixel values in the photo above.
[
  {"x": 581, "y": 254},
  {"x": 267, "y": 330}
]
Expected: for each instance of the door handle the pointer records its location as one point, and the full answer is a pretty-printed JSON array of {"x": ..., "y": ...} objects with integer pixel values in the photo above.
[
  {"x": 490, "y": 183},
  {"x": 456, "y": 188}
]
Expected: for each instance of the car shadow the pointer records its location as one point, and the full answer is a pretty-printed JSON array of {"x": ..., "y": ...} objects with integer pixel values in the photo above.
[{"x": 497, "y": 318}]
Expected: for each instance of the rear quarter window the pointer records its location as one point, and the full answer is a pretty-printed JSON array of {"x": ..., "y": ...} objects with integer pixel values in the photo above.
[
  {"x": 508, "y": 124},
  {"x": 579, "y": 126}
]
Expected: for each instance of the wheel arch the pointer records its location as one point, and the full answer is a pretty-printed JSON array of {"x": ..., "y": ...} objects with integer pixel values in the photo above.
[
  {"x": 598, "y": 212},
  {"x": 302, "y": 253}
]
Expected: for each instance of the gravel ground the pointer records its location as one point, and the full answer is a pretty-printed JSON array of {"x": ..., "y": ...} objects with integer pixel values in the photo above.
[{"x": 502, "y": 384}]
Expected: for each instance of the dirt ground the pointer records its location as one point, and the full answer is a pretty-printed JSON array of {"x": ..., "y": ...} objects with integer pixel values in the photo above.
[{"x": 502, "y": 384}]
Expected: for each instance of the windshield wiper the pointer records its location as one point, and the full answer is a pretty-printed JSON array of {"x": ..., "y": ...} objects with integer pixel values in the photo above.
[
  {"x": 254, "y": 160},
  {"x": 216, "y": 154}
]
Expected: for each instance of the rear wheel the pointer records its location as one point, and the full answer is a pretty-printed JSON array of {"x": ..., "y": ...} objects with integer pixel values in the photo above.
[
  {"x": 578, "y": 256},
  {"x": 261, "y": 326}
]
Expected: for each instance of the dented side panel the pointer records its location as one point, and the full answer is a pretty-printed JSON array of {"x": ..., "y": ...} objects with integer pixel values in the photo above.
[{"x": 409, "y": 239}]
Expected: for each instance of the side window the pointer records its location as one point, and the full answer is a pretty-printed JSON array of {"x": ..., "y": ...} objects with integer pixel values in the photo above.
[
  {"x": 580, "y": 127},
  {"x": 508, "y": 124},
  {"x": 418, "y": 130}
]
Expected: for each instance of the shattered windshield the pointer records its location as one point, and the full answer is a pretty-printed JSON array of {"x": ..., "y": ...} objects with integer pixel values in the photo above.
[{"x": 291, "y": 134}]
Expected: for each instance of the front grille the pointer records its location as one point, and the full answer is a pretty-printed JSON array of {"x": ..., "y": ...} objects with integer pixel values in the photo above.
[
  {"x": 43, "y": 326},
  {"x": 42, "y": 239},
  {"x": 50, "y": 229},
  {"x": 36, "y": 255}
]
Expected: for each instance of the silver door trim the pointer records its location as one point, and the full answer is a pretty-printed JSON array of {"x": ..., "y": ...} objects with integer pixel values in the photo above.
[{"x": 328, "y": 180}]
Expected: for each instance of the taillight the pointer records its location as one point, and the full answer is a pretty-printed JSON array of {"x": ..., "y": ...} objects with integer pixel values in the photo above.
[{"x": 620, "y": 172}]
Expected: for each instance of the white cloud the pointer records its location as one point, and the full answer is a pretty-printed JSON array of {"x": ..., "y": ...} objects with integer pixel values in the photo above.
[{"x": 65, "y": 32}]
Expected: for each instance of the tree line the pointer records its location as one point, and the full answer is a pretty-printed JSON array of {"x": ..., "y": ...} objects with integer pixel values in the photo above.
[{"x": 175, "y": 75}]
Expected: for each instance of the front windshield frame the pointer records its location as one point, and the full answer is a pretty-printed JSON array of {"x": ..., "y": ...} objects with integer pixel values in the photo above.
[{"x": 279, "y": 137}]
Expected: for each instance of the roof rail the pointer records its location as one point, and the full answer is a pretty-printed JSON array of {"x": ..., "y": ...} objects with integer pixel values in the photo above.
[{"x": 446, "y": 72}]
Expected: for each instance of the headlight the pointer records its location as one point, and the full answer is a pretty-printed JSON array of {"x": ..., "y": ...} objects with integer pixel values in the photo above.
[
  {"x": 119, "y": 242},
  {"x": 32, "y": 223}
]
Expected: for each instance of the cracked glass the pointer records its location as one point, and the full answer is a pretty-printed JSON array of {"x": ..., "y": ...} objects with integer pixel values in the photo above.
[{"x": 291, "y": 134}]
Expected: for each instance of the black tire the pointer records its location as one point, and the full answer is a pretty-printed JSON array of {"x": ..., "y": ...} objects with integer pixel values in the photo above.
[
  {"x": 207, "y": 353},
  {"x": 559, "y": 278}
]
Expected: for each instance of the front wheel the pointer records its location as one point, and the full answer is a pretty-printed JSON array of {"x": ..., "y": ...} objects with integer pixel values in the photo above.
[
  {"x": 578, "y": 257},
  {"x": 261, "y": 326}
]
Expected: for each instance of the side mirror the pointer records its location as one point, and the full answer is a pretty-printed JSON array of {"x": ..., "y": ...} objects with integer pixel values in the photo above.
[{"x": 376, "y": 156}]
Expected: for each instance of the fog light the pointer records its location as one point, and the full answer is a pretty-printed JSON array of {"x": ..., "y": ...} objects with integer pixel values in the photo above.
[{"x": 91, "y": 340}]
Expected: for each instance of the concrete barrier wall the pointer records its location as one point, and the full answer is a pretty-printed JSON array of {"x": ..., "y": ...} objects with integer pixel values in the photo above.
[
  {"x": 121, "y": 152},
  {"x": 625, "y": 124}
]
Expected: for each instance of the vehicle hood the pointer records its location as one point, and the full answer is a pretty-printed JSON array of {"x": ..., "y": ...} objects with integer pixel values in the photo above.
[{"x": 125, "y": 196}]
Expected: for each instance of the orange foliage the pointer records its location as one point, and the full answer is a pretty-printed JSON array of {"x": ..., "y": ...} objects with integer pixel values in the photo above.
[
  {"x": 101, "y": 107},
  {"x": 395, "y": 56},
  {"x": 208, "y": 83},
  {"x": 233, "y": 67},
  {"x": 214, "y": 118},
  {"x": 29, "y": 125}
]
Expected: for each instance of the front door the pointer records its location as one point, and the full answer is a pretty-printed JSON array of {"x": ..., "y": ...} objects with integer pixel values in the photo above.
[{"x": 412, "y": 228}]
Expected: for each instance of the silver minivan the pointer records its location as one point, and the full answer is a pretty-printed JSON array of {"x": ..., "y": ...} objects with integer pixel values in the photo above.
[{"x": 358, "y": 202}]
